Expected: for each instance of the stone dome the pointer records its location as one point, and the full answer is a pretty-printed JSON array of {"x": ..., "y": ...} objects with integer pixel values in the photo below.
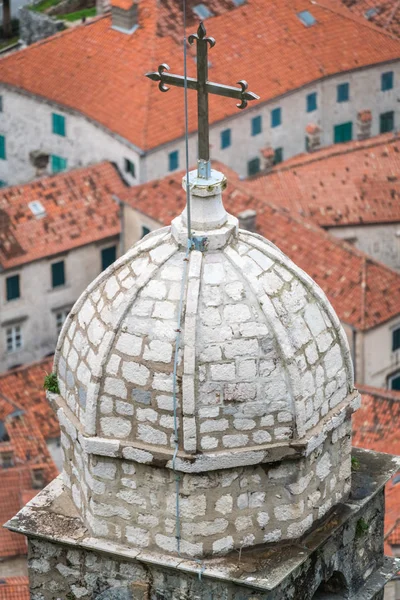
[{"x": 263, "y": 370}]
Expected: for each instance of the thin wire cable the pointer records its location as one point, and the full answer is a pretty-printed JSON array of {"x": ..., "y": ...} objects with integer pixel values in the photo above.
[{"x": 188, "y": 211}]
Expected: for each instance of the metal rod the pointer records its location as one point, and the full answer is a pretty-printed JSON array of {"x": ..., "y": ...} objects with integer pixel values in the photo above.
[{"x": 188, "y": 211}]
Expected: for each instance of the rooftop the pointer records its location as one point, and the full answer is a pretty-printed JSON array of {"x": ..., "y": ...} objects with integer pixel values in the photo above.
[
  {"x": 362, "y": 179},
  {"x": 99, "y": 71},
  {"x": 14, "y": 588},
  {"x": 355, "y": 284},
  {"x": 373, "y": 429},
  {"x": 383, "y": 13},
  {"x": 24, "y": 387},
  {"x": 78, "y": 210},
  {"x": 28, "y": 468}
]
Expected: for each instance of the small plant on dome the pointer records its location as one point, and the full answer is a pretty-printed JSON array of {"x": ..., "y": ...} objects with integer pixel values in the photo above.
[
  {"x": 361, "y": 528},
  {"x": 355, "y": 463},
  {"x": 51, "y": 384}
]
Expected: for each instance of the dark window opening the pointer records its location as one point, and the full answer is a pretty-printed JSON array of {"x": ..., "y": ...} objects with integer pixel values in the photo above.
[
  {"x": 130, "y": 167},
  {"x": 108, "y": 256},
  {"x": 12, "y": 287},
  {"x": 396, "y": 339},
  {"x": 253, "y": 166},
  {"x": 145, "y": 230},
  {"x": 57, "y": 274},
  {"x": 386, "y": 122}
]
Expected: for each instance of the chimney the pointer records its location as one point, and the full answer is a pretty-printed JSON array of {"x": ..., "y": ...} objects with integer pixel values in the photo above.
[
  {"x": 247, "y": 220},
  {"x": 40, "y": 160},
  {"x": 364, "y": 122},
  {"x": 267, "y": 159},
  {"x": 124, "y": 15},
  {"x": 313, "y": 137}
]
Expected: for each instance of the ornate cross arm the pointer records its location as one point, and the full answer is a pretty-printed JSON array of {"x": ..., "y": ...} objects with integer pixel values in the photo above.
[
  {"x": 203, "y": 88},
  {"x": 218, "y": 89}
]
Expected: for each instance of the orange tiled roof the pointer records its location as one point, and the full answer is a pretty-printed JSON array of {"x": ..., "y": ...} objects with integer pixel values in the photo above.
[
  {"x": 357, "y": 286},
  {"x": 383, "y": 13},
  {"x": 29, "y": 452},
  {"x": 344, "y": 184},
  {"x": 14, "y": 588},
  {"x": 99, "y": 71},
  {"x": 79, "y": 210},
  {"x": 373, "y": 422},
  {"x": 373, "y": 429},
  {"x": 24, "y": 387}
]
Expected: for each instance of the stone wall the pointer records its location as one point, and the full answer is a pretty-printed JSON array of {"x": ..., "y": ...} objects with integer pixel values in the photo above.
[
  {"x": 352, "y": 550},
  {"x": 220, "y": 510},
  {"x": 35, "y": 26}
]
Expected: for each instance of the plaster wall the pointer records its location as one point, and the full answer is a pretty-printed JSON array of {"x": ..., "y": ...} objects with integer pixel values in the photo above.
[
  {"x": 382, "y": 242},
  {"x": 26, "y": 123},
  {"x": 38, "y": 304},
  {"x": 379, "y": 361}
]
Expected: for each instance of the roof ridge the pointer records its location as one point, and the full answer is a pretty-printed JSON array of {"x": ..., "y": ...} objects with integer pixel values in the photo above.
[
  {"x": 25, "y": 367},
  {"x": 347, "y": 13},
  {"x": 323, "y": 154},
  {"x": 378, "y": 392}
]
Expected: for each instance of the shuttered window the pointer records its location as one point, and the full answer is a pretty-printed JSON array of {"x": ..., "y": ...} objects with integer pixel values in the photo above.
[
  {"x": 108, "y": 256},
  {"x": 58, "y": 124},
  {"x": 12, "y": 287},
  {"x": 343, "y": 133}
]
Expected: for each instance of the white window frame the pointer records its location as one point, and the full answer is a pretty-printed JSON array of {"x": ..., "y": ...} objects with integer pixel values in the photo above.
[
  {"x": 13, "y": 338},
  {"x": 63, "y": 314}
]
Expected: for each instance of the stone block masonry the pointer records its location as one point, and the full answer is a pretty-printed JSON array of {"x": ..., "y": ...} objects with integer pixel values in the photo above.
[
  {"x": 345, "y": 556},
  {"x": 132, "y": 502}
]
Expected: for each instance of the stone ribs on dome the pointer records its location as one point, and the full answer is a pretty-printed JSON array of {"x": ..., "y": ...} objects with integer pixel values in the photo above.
[{"x": 264, "y": 377}]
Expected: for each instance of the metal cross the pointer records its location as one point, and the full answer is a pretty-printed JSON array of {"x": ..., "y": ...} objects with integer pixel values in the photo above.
[{"x": 203, "y": 87}]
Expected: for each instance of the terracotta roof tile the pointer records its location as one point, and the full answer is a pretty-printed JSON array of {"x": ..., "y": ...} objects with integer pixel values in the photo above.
[
  {"x": 24, "y": 387},
  {"x": 23, "y": 440},
  {"x": 373, "y": 429},
  {"x": 385, "y": 13},
  {"x": 356, "y": 285},
  {"x": 344, "y": 184},
  {"x": 79, "y": 210},
  {"x": 14, "y": 588},
  {"x": 99, "y": 71}
]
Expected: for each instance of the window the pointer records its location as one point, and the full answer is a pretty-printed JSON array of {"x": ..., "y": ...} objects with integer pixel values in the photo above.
[
  {"x": 276, "y": 117},
  {"x": 1, "y": 103},
  {"x": 108, "y": 256},
  {"x": 278, "y": 155},
  {"x": 57, "y": 274},
  {"x": 3, "y": 183},
  {"x": 387, "y": 81},
  {"x": 394, "y": 382},
  {"x": 58, "y": 163},
  {"x": 202, "y": 11},
  {"x": 145, "y": 231},
  {"x": 12, "y": 287},
  {"x": 13, "y": 338},
  {"x": 343, "y": 92},
  {"x": 60, "y": 318},
  {"x": 3, "y": 155},
  {"x": 306, "y": 18},
  {"x": 343, "y": 133},
  {"x": 396, "y": 339},
  {"x": 312, "y": 102},
  {"x": 173, "y": 160},
  {"x": 256, "y": 125},
  {"x": 225, "y": 138},
  {"x": 253, "y": 166},
  {"x": 58, "y": 124},
  {"x": 386, "y": 122},
  {"x": 130, "y": 167},
  {"x": 7, "y": 460},
  {"x": 307, "y": 143}
]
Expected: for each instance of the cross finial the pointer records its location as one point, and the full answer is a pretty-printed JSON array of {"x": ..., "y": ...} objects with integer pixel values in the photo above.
[{"x": 204, "y": 88}]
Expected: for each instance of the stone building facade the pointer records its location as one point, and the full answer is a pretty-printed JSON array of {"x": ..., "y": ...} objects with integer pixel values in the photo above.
[
  {"x": 205, "y": 401},
  {"x": 26, "y": 124}
]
